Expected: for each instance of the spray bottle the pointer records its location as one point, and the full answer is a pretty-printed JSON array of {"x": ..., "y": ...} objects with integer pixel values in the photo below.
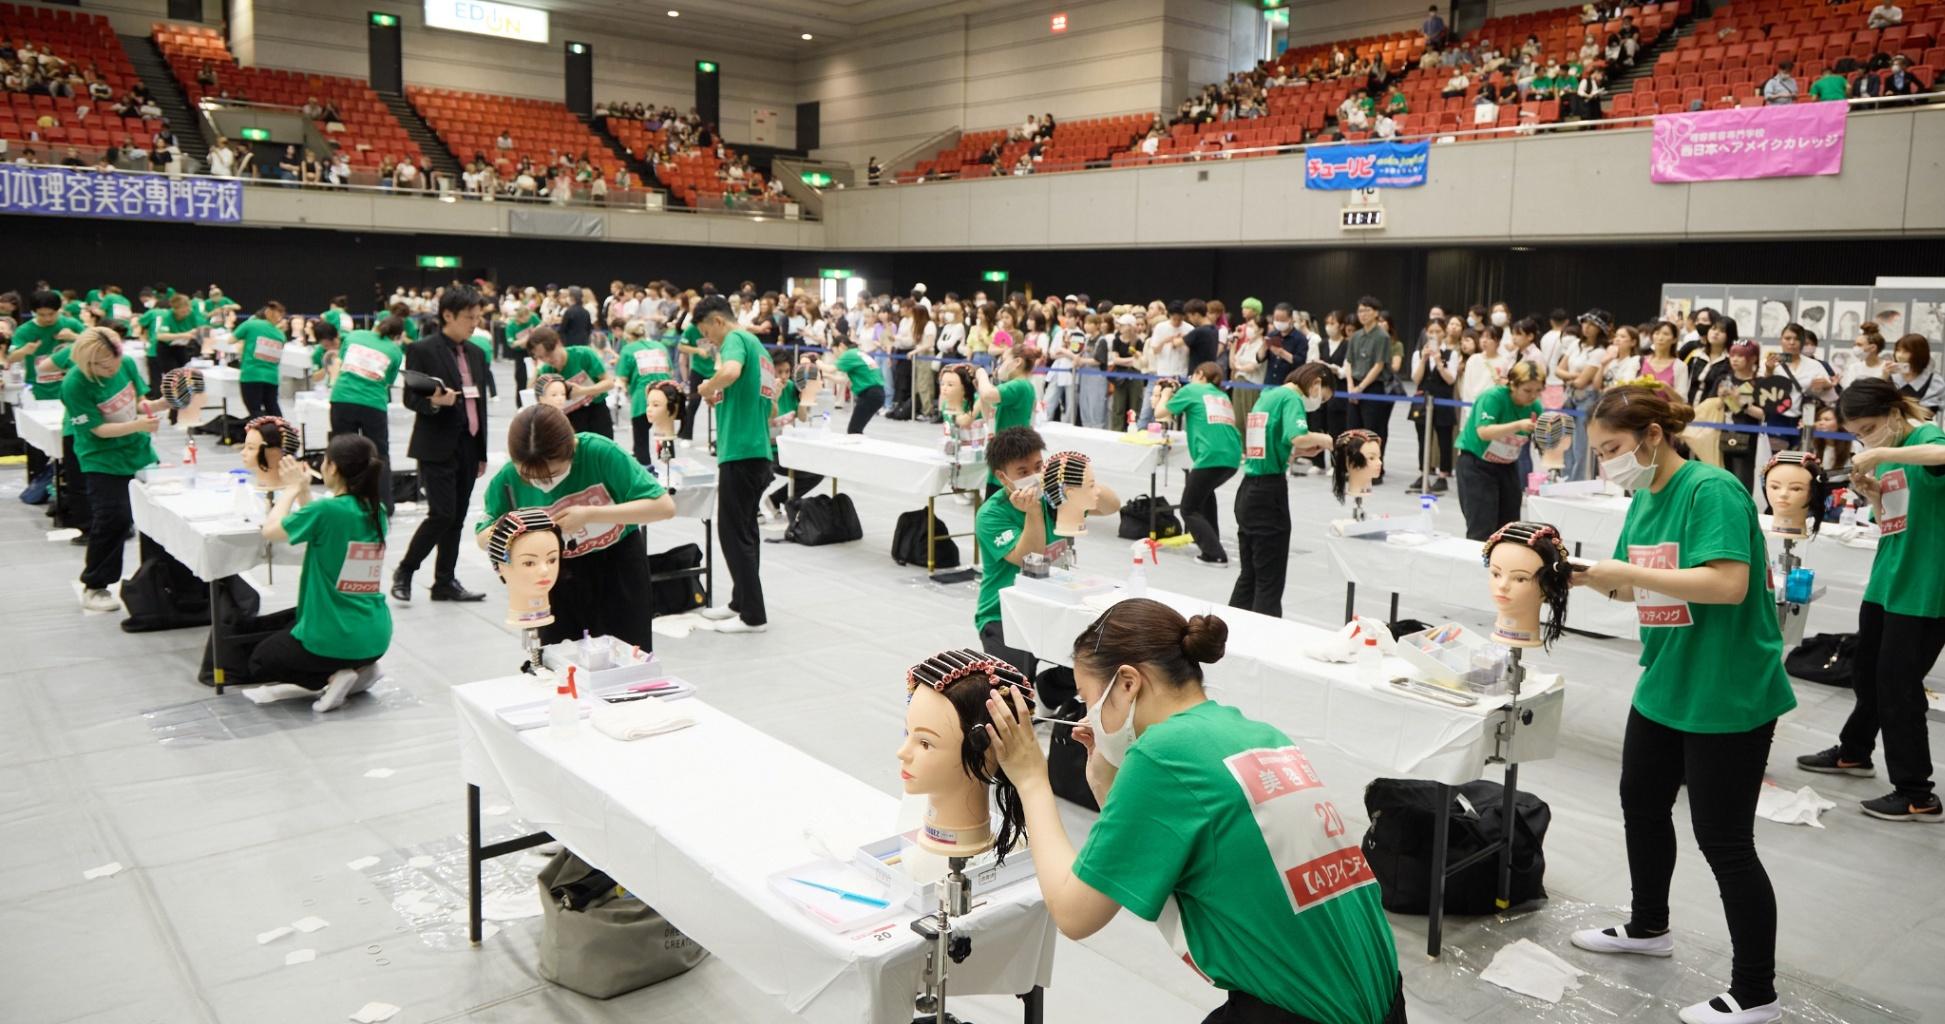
[
  {"x": 1370, "y": 661},
  {"x": 1145, "y": 553},
  {"x": 564, "y": 711}
]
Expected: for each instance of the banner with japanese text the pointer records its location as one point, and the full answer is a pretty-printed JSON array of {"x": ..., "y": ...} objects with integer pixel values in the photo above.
[
  {"x": 1354, "y": 165},
  {"x": 1785, "y": 141},
  {"x": 77, "y": 192}
]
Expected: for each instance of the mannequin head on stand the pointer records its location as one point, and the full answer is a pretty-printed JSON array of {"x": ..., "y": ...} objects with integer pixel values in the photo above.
[
  {"x": 948, "y": 758},
  {"x": 1068, "y": 483},
  {"x": 525, "y": 549},
  {"x": 1357, "y": 460},
  {"x": 1526, "y": 566},
  {"x": 1552, "y": 432},
  {"x": 810, "y": 382},
  {"x": 550, "y": 389},
  {"x": 1797, "y": 488},
  {"x": 664, "y": 408},
  {"x": 266, "y": 440},
  {"x": 185, "y": 392},
  {"x": 957, "y": 387}
]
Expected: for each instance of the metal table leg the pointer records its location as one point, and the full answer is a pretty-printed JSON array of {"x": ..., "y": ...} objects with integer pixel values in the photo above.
[
  {"x": 931, "y": 536},
  {"x": 215, "y": 638},
  {"x": 1350, "y": 601},
  {"x": 1394, "y": 608},
  {"x": 1441, "y": 828},
  {"x": 477, "y": 855},
  {"x": 1033, "y": 1005}
]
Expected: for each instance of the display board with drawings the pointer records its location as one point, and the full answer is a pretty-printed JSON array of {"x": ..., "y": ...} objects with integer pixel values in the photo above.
[{"x": 1833, "y": 312}]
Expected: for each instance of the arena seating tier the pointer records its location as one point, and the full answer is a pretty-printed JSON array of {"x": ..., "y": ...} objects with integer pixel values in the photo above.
[
  {"x": 691, "y": 179},
  {"x": 1074, "y": 145},
  {"x": 471, "y": 122},
  {"x": 82, "y": 40}
]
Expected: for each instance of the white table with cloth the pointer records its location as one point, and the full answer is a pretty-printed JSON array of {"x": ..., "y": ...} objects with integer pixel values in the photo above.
[
  {"x": 1111, "y": 451},
  {"x": 702, "y": 852},
  {"x": 920, "y": 474},
  {"x": 39, "y": 425},
  {"x": 1448, "y": 571},
  {"x": 1264, "y": 674}
]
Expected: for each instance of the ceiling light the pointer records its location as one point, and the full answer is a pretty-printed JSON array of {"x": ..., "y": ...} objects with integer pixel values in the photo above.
[
  {"x": 805, "y": 37},
  {"x": 675, "y": 14}
]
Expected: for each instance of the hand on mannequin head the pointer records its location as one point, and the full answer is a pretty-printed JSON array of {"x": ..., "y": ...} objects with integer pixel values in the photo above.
[
  {"x": 1527, "y": 568},
  {"x": 948, "y": 755},
  {"x": 1068, "y": 482}
]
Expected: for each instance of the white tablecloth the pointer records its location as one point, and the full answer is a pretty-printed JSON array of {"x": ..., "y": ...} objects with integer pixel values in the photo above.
[
  {"x": 1265, "y": 674},
  {"x": 695, "y": 501},
  {"x": 295, "y": 362},
  {"x": 1841, "y": 556},
  {"x": 311, "y": 413},
  {"x": 1448, "y": 571},
  {"x": 1107, "y": 449},
  {"x": 39, "y": 426},
  {"x": 855, "y": 460},
  {"x": 694, "y": 822},
  {"x": 223, "y": 383},
  {"x": 198, "y": 528}
]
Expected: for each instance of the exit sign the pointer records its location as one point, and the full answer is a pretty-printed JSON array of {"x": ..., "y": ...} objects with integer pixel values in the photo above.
[
  {"x": 1059, "y": 22},
  {"x": 707, "y": 67},
  {"x": 835, "y": 274},
  {"x": 995, "y": 276},
  {"x": 255, "y": 134},
  {"x": 816, "y": 179},
  {"x": 383, "y": 20},
  {"x": 438, "y": 262}
]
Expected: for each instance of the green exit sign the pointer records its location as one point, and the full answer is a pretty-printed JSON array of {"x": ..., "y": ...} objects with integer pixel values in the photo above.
[
  {"x": 995, "y": 276},
  {"x": 255, "y": 134},
  {"x": 577, "y": 48},
  {"x": 438, "y": 262},
  {"x": 707, "y": 67},
  {"x": 816, "y": 179},
  {"x": 834, "y": 274},
  {"x": 383, "y": 20}
]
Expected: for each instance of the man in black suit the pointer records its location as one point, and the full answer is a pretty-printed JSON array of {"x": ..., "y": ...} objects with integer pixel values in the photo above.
[
  {"x": 448, "y": 441},
  {"x": 576, "y": 326}
]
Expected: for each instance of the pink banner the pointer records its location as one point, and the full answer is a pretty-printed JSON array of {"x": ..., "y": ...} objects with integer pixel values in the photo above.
[{"x": 1786, "y": 141}]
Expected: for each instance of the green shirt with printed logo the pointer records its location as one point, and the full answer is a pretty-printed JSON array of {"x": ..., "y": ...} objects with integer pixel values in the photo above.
[
  {"x": 262, "y": 352},
  {"x": 114, "y": 399},
  {"x": 1210, "y": 421},
  {"x": 743, "y": 416},
  {"x": 997, "y": 529},
  {"x": 41, "y": 343},
  {"x": 341, "y": 609},
  {"x": 367, "y": 366},
  {"x": 603, "y": 474},
  {"x": 859, "y": 371},
  {"x": 640, "y": 364},
  {"x": 1493, "y": 407},
  {"x": 1908, "y": 574}
]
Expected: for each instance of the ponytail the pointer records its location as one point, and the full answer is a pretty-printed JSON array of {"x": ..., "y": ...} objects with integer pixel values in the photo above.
[{"x": 356, "y": 459}]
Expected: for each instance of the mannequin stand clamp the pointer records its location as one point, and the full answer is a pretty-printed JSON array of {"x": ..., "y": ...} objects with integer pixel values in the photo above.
[
  {"x": 530, "y": 643},
  {"x": 955, "y": 900}
]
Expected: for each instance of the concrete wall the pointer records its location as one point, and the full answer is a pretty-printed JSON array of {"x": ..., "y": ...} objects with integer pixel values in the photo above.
[{"x": 1564, "y": 188}]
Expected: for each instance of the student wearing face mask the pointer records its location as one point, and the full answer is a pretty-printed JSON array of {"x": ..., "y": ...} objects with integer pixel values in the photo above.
[
  {"x": 1693, "y": 561},
  {"x": 1201, "y": 833},
  {"x": 1901, "y": 623},
  {"x": 599, "y": 496},
  {"x": 1276, "y": 431},
  {"x": 1495, "y": 434}
]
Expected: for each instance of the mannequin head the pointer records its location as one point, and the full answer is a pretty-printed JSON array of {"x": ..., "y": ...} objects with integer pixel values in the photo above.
[
  {"x": 1068, "y": 482},
  {"x": 664, "y": 407},
  {"x": 947, "y": 755},
  {"x": 1795, "y": 484},
  {"x": 810, "y": 381},
  {"x": 957, "y": 386},
  {"x": 550, "y": 389},
  {"x": 1164, "y": 390},
  {"x": 1553, "y": 431},
  {"x": 266, "y": 440},
  {"x": 1526, "y": 565},
  {"x": 525, "y": 549},
  {"x": 1358, "y": 460},
  {"x": 181, "y": 386}
]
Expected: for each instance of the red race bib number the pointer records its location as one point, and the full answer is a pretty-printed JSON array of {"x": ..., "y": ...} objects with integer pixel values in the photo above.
[
  {"x": 1654, "y": 609},
  {"x": 269, "y": 350},
  {"x": 363, "y": 569},
  {"x": 1894, "y": 502}
]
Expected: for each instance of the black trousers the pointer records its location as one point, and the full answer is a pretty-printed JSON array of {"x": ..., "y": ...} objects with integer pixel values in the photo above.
[
  {"x": 804, "y": 484},
  {"x": 594, "y": 418},
  {"x": 1263, "y": 544},
  {"x": 687, "y": 431},
  {"x": 1724, "y": 774},
  {"x": 282, "y": 658},
  {"x": 901, "y": 383},
  {"x": 1199, "y": 509},
  {"x": 864, "y": 405},
  {"x": 1441, "y": 437},
  {"x": 739, "y": 486},
  {"x": 72, "y": 502},
  {"x": 447, "y": 487},
  {"x": 260, "y": 399},
  {"x": 1243, "y": 1008},
  {"x": 351, "y": 418},
  {"x": 992, "y": 640},
  {"x": 1489, "y": 494},
  {"x": 519, "y": 375},
  {"x": 607, "y": 593},
  {"x": 1893, "y": 654},
  {"x": 107, "y": 530},
  {"x": 1374, "y": 416},
  {"x": 1743, "y": 463},
  {"x": 644, "y": 451}
]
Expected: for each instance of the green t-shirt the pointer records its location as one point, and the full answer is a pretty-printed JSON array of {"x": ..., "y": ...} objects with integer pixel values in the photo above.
[
  {"x": 699, "y": 366},
  {"x": 262, "y": 352},
  {"x": 63, "y": 360},
  {"x": 1210, "y": 422},
  {"x": 341, "y": 610},
  {"x": 743, "y": 416},
  {"x": 1014, "y": 409},
  {"x": 367, "y": 366},
  {"x": 483, "y": 341},
  {"x": 338, "y": 318},
  {"x": 603, "y": 474},
  {"x": 204, "y": 307},
  {"x": 110, "y": 301},
  {"x": 73, "y": 308},
  {"x": 1275, "y": 419},
  {"x": 411, "y": 328},
  {"x": 1706, "y": 668},
  {"x": 997, "y": 529},
  {"x": 1219, "y": 830},
  {"x": 640, "y": 364},
  {"x": 516, "y": 327},
  {"x": 859, "y": 371},
  {"x": 46, "y": 386},
  {"x": 1831, "y": 86},
  {"x": 1908, "y": 575},
  {"x": 787, "y": 401},
  {"x": 90, "y": 404},
  {"x": 1495, "y": 406}
]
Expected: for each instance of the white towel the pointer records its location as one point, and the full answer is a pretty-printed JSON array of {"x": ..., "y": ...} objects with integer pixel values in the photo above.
[
  {"x": 1530, "y": 970},
  {"x": 637, "y": 719},
  {"x": 1792, "y": 807}
]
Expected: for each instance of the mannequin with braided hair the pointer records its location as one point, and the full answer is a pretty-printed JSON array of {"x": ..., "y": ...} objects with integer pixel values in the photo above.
[{"x": 948, "y": 754}]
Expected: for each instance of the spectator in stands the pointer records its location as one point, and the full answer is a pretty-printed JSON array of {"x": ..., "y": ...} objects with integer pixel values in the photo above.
[
  {"x": 873, "y": 171},
  {"x": 289, "y": 166},
  {"x": 310, "y": 171},
  {"x": 222, "y": 159},
  {"x": 505, "y": 141},
  {"x": 1434, "y": 27},
  {"x": 1829, "y": 86},
  {"x": 1781, "y": 87},
  {"x": 1912, "y": 372},
  {"x": 1885, "y": 15},
  {"x": 1385, "y": 127},
  {"x": 1396, "y": 104},
  {"x": 338, "y": 173},
  {"x": 1589, "y": 96},
  {"x": 407, "y": 177},
  {"x": 1485, "y": 110},
  {"x": 1590, "y": 49},
  {"x": 1899, "y": 81},
  {"x": 1733, "y": 383},
  {"x": 1351, "y": 115},
  {"x": 1456, "y": 85}
]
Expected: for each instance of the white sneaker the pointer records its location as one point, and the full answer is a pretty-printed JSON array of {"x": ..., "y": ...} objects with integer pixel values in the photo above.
[
  {"x": 368, "y": 676},
  {"x": 100, "y": 601},
  {"x": 717, "y": 614},
  {"x": 739, "y": 626},
  {"x": 1703, "y": 1013},
  {"x": 1616, "y": 940},
  {"x": 336, "y": 690}
]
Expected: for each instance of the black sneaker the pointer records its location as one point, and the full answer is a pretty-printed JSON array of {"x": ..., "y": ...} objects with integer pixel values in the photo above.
[
  {"x": 1440, "y": 485},
  {"x": 1897, "y": 806},
  {"x": 1832, "y": 762},
  {"x": 1415, "y": 486}
]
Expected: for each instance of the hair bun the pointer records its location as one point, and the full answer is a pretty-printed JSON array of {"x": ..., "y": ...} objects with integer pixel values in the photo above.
[{"x": 1205, "y": 640}]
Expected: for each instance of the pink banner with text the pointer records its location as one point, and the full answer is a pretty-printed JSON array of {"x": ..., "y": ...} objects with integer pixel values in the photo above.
[{"x": 1785, "y": 141}]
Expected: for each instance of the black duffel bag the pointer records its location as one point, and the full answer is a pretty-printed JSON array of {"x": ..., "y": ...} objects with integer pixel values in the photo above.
[
  {"x": 1827, "y": 658},
  {"x": 823, "y": 519},
  {"x": 908, "y": 541},
  {"x": 1134, "y": 518},
  {"x": 1398, "y": 845},
  {"x": 163, "y": 594},
  {"x": 679, "y": 595}
]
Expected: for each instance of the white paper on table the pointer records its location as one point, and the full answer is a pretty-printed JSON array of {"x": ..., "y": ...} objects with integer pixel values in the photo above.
[
  {"x": 299, "y": 956},
  {"x": 420, "y": 861},
  {"x": 374, "y": 1013},
  {"x": 1792, "y": 807},
  {"x": 310, "y": 924},
  {"x": 108, "y": 870},
  {"x": 1530, "y": 969}
]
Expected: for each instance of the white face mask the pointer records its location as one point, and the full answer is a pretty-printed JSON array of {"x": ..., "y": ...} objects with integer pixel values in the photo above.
[
  {"x": 1112, "y": 746},
  {"x": 549, "y": 483},
  {"x": 1311, "y": 403},
  {"x": 1624, "y": 472},
  {"x": 1499, "y": 318}
]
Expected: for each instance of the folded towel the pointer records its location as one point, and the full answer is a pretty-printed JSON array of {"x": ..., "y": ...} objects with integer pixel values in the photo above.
[
  {"x": 1531, "y": 970},
  {"x": 637, "y": 719}
]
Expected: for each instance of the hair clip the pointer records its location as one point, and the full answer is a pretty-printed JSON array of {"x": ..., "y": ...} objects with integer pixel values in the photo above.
[
  {"x": 1794, "y": 458},
  {"x": 287, "y": 438},
  {"x": 1361, "y": 437},
  {"x": 1527, "y": 534},
  {"x": 1063, "y": 470},
  {"x": 513, "y": 524},
  {"x": 541, "y": 380},
  {"x": 947, "y": 667}
]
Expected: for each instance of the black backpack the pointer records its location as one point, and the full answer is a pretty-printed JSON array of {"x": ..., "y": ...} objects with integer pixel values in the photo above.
[
  {"x": 1067, "y": 759},
  {"x": 908, "y": 541},
  {"x": 163, "y": 594},
  {"x": 680, "y": 594},
  {"x": 242, "y": 632},
  {"x": 1827, "y": 658},
  {"x": 1134, "y": 518},
  {"x": 823, "y": 519},
  {"x": 1398, "y": 845}
]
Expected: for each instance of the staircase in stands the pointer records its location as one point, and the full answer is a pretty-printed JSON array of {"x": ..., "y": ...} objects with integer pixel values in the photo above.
[
  {"x": 443, "y": 159},
  {"x": 1644, "y": 62},
  {"x": 638, "y": 168},
  {"x": 154, "y": 70}
]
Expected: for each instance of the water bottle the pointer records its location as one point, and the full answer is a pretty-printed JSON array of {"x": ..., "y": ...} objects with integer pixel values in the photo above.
[
  {"x": 1370, "y": 664},
  {"x": 1848, "y": 516},
  {"x": 564, "y": 711},
  {"x": 1137, "y": 578}
]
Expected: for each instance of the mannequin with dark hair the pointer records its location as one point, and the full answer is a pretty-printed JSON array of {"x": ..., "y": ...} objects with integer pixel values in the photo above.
[
  {"x": 1357, "y": 460},
  {"x": 665, "y": 403},
  {"x": 959, "y": 403},
  {"x": 1526, "y": 564},
  {"x": 948, "y": 754},
  {"x": 266, "y": 440},
  {"x": 1797, "y": 489},
  {"x": 1068, "y": 483}
]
